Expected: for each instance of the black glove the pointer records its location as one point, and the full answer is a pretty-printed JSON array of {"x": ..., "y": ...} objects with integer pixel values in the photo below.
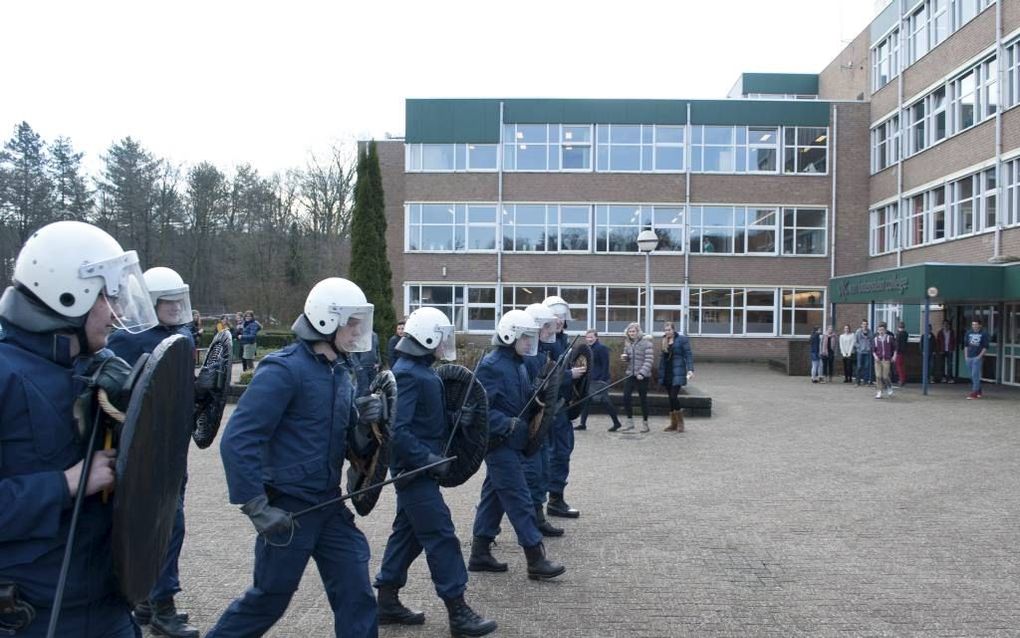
[
  {"x": 370, "y": 409},
  {"x": 267, "y": 519},
  {"x": 438, "y": 471},
  {"x": 111, "y": 374},
  {"x": 469, "y": 415}
]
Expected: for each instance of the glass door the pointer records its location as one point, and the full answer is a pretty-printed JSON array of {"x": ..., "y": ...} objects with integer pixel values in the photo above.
[
  {"x": 1011, "y": 346},
  {"x": 989, "y": 317}
]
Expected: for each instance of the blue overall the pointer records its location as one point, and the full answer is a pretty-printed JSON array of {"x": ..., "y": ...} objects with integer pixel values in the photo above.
[
  {"x": 423, "y": 520},
  {"x": 288, "y": 439},
  {"x": 366, "y": 366},
  {"x": 537, "y": 466},
  {"x": 562, "y": 431},
  {"x": 505, "y": 490},
  {"x": 39, "y": 440},
  {"x": 130, "y": 347}
]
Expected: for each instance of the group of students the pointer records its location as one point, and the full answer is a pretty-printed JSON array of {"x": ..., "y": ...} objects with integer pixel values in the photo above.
[{"x": 869, "y": 359}]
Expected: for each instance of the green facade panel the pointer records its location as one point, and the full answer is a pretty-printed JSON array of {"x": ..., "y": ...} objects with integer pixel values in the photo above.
[
  {"x": 780, "y": 83},
  {"x": 477, "y": 121},
  {"x": 953, "y": 283}
]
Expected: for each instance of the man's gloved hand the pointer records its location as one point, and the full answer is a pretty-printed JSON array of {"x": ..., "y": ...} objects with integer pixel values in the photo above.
[
  {"x": 370, "y": 409},
  {"x": 111, "y": 374},
  {"x": 438, "y": 471},
  {"x": 469, "y": 415},
  {"x": 268, "y": 520}
]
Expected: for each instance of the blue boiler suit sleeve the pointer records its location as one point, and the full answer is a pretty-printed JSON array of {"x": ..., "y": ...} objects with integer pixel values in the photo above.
[
  {"x": 252, "y": 425},
  {"x": 31, "y": 505},
  {"x": 499, "y": 421},
  {"x": 408, "y": 449}
]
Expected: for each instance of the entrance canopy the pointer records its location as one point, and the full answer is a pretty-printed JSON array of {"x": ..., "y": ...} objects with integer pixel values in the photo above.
[{"x": 935, "y": 283}]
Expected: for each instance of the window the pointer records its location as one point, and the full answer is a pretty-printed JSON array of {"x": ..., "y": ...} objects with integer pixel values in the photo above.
[
  {"x": 667, "y": 305},
  {"x": 806, "y": 150},
  {"x": 964, "y": 102},
  {"x": 618, "y": 306},
  {"x": 617, "y": 227},
  {"x": 962, "y": 205},
  {"x": 475, "y": 302},
  {"x": 733, "y": 230},
  {"x": 523, "y": 295},
  {"x": 917, "y": 33},
  {"x": 1011, "y": 177},
  {"x": 803, "y": 310},
  {"x": 762, "y": 149},
  {"x": 527, "y": 147},
  {"x": 450, "y": 157},
  {"x": 546, "y": 227},
  {"x": 1011, "y": 92},
  {"x": 974, "y": 95},
  {"x": 804, "y": 231},
  {"x": 965, "y": 10},
  {"x": 639, "y": 147},
  {"x": 917, "y": 221},
  {"x": 735, "y": 149},
  {"x": 451, "y": 227},
  {"x": 885, "y": 228},
  {"x": 759, "y": 313},
  {"x": 732, "y": 311},
  {"x": 888, "y": 313},
  {"x": 885, "y": 144},
  {"x": 939, "y": 22},
  {"x": 576, "y": 148},
  {"x": 973, "y": 203},
  {"x": 885, "y": 63}
]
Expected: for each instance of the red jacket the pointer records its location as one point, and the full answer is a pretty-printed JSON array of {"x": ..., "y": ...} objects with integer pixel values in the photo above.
[{"x": 884, "y": 347}]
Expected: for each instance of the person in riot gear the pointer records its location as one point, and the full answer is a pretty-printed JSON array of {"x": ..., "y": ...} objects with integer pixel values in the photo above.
[
  {"x": 536, "y": 466},
  {"x": 423, "y": 520},
  {"x": 171, "y": 299},
  {"x": 505, "y": 490},
  {"x": 562, "y": 432},
  {"x": 283, "y": 451},
  {"x": 72, "y": 284}
]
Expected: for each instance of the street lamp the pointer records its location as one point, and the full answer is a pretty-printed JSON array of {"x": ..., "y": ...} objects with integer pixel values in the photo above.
[{"x": 647, "y": 241}]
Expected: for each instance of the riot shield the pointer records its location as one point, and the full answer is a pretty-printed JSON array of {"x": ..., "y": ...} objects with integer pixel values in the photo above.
[
  {"x": 549, "y": 403},
  {"x": 367, "y": 471},
  {"x": 152, "y": 456},
  {"x": 211, "y": 389},
  {"x": 580, "y": 357},
  {"x": 471, "y": 438}
]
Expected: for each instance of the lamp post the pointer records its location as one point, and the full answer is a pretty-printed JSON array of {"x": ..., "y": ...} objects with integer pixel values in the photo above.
[{"x": 648, "y": 241}]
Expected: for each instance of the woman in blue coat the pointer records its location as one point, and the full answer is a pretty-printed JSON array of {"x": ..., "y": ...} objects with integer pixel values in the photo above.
[{"x": 676, "y": 368}]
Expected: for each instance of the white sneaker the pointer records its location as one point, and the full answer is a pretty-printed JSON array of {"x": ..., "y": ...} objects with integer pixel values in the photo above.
[
  {"x": 889, "y": 392},
  {"x": 878, "y": 395}
]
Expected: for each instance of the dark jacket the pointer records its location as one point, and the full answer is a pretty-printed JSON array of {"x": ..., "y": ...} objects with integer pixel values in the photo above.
[
  {"x": 600, "y": 362},
  {"x": 680, "y": 360},
  {"x": 420, "y": 427},
  {"x": 38, "y": 441},
  {"x": 130, "y": 347},
  {"x": 367, "y": 365},
  {"x": 290, "y": 430},
  {"x": 391, "y": 351},
  {"x": 902, "y": 338},
  {"x": 508, "y": 387},
  {"x": 815, "y": 343},
  {"x": 249, "y": 331}
]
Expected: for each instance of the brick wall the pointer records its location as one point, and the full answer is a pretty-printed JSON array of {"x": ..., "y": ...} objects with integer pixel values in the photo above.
[
  {"x": 851, "y": 227},
  {"x": 846, "y": 77},
  {"x": 956, "y": 153},
  {"x": 960, "y": 47}
]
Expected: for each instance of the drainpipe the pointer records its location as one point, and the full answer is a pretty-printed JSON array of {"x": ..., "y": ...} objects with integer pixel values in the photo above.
[
  {"x": 899, "y": 155},
  {"x": 832, "y": 234},
  {"x": 687, "y": 224},
  {"x": 1000, "y": 57},
  {"x": 499, "y": 220}
]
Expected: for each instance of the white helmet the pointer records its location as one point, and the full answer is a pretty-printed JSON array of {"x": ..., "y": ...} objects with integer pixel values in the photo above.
[
  {"x": 67, "y": 265},
  {"x": 546, "y": 320},
  {"x": 334, "y": 304},
  {"x": 559, "y": 307},
  {"x": 518, "y": 328},
  {"x": 166, "y": 285},
  {"x": 432, "y": 329}
]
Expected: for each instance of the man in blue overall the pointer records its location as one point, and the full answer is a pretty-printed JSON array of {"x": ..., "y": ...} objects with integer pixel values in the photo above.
[
  {"x": 283, "y": 451},
  {"x": 72, "y": 284},
  {"x": 536, "y": 466},
  {"x": 171, "y": 299},
  {"x": 419, "y": 435},
  {"x": 505, "y": 490},
  {"x": 562, "y": 431}
]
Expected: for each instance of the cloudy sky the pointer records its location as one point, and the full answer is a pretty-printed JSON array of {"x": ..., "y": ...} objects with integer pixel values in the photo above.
[{"x": 269, "y": 82}]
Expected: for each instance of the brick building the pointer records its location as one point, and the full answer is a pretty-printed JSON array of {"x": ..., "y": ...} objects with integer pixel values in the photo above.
[{"x": 903, "y": 150}]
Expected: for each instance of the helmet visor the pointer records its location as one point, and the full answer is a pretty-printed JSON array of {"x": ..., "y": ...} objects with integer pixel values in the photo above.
[
  {"x": 129, "y": 300},
  {"x": 526, "y": 343},
  {"x": 447, "y": 348},
  {"x": 173, "y": 308},
  {"x": 547, "y": 331},
  {"x": 354, "y": 331},
  {"x": 562, "y": 311}
]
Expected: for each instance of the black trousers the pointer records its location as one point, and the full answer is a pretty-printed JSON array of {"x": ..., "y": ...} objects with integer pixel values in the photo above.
[
  {"x": 603, "y": 400},
  {"x": 674, "y": 396},
  {"x": 628, "y": 391},
  {"x": 848, "y": 368},
  {"x": 828, "y": 362}
]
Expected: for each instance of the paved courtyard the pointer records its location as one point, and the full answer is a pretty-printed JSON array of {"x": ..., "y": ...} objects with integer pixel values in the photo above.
[{"x": 796, "y": 510}]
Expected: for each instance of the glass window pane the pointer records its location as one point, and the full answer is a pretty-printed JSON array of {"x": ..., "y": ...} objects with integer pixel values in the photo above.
[
  {"x": 762, "y": 159},
  {"x": 812, "y": 160},
  {"x": 667, "y": 297},
  {"x": 718, "y": 135},
  {"x": 483, "y": 319},
  {"x": 530, "y": 214},
  {"x": 437, "y": 213},
  {"x": 437, "y": 157},
  {"x": 626, "y": 134},
  {"x": 530, "y": 238},
  {"x": 810, "y": 217},
  {"x": 531, "y": 157},
  {"x": 481, "y": 214},
  {"x": 761, "y": 241},
  {"x": 531, "y": 133},
  {"x": 760, "y": 298},
  {"x": 573, "y": 238},
  {"x": 574, "y": 214},
  {"x": 576, "y": 134},
  {"x": 623, "y": 296},
  {"x": 760, "y": 321},
  {"x": 482, "y": 156},
  {"x": 481, "y": 238},
  {"x": 576, "y": 157},
  {"x": 625, "y": 158},
  {"x": 669, "y": 158},
  {"x": 669, "y": 134}
]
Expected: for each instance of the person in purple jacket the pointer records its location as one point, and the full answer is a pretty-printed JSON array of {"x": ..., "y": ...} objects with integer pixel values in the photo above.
[{"x": 883, "y": 349}]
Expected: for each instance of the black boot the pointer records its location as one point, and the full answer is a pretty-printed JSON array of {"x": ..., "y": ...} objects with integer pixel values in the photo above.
[
  {"x": 616, "y": 426},
  {"x": 481, "y": 558},
  {"x": 143, "y": 613},
  {"x": 539, "y": 567},
  {"x": 166, "y": 622},
  {"x": 544, "y": 526},
  {"x": 558, "y": 507},
  {"x": 465, "y": 622},
  {"x": 392, "y": 612}
]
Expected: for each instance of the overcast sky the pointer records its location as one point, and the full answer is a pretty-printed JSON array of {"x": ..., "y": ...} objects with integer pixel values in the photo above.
[{"x": 269, "y": 82}]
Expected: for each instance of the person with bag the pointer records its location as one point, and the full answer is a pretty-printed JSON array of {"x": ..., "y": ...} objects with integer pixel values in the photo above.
[
  {"x": 638, "y": 355},
  {"x": 676, "y": 368},
  {"x": 828, "y": 353}
]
